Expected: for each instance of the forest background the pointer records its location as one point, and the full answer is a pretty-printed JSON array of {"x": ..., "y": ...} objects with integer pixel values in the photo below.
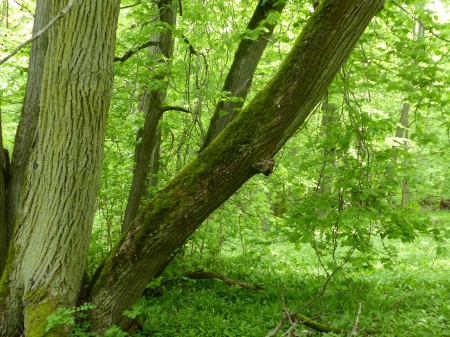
[{"x": 350, "y": 213}]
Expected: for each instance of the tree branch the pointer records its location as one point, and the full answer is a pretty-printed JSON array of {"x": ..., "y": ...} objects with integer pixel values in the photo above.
[
  {"x": 39, "y": 33},
  {"x": 131, "y": 52},
  {"x": 175, "y": 108},
  {"x": 135, "y": 4}
]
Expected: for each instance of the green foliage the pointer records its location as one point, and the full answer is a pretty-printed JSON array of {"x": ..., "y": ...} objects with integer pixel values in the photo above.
[
  {"x": 400, "y": 300},
  {"x": 76, "y": 320}
]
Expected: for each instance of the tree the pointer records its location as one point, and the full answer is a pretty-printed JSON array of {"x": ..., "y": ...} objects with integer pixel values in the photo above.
[{"x": 48, "y": 252}]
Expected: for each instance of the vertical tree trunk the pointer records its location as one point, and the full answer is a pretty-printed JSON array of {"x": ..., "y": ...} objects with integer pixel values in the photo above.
[
  {"x": 405, "y": 125},
  {"x": 329, "y": 117},
  {"x": 151, "y": 104},
  {"x": 242, "y": 150},
  {"x": 4, "y": 173},
  {"x": 29, "y": 117},
  {"x": 54, "y": 220}
]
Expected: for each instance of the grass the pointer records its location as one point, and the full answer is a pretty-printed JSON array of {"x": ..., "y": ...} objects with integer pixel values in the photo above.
[{"x": 410, "y": 299}]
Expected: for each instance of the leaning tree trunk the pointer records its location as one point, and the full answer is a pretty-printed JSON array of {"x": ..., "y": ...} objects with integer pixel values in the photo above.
[
  {"x": 54, "y": 221},
  {"x": 243, "y": 149},
  {"x": 28, "y": 121},
  {"x": 242, "y": 70}
]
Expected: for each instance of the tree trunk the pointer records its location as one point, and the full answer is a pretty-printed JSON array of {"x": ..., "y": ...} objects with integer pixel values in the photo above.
[
  {"x": 54, "y": 221},
  {"x": 29, "y": 117},
  {"x": 242, "y": 150},
  {"x": 151, "y": 104},
  {"x": 240, "y": 76},
  {"x": 4, "y": 174},
  {"x": 405, "y": 126}
]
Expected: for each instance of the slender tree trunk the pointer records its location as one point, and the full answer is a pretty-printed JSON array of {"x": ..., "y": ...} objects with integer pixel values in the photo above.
[
  {"x": 4, "y": 174},
  {"x": 240, "y": 76},
  {"x": 242, "y": 150},
  {"x": 28, "y": 121},
  {"x": 151, "y": 104},
  {"x": 54, "y": 221},
  {"x": 405, "y": 125}
]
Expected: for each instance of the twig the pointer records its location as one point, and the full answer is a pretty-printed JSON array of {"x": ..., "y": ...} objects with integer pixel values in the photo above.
[
  {"x": 418, "y": 20},
  {"x": 355, "y": 326},
  {"x": 39, "y": 33},
  {"x": 288, "y": 314},
  {"x": 283, "y": 319},
  {"x": 326, "y": 283}
]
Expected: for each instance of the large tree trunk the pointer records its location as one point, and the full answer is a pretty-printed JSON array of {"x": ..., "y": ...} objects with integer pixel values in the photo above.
[
  {"x": 54, "y": 221},
  {"x": 242, "y": 150},
  {"x": 240, "y": 77},
  {"x": 28, "y": 121}
]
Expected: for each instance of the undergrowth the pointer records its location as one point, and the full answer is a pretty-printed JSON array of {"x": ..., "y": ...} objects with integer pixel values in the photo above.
[{"x": 406, "y": 298}]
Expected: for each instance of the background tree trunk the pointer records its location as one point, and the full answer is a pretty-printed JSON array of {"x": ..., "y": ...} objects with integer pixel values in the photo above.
[
  {"x": 151, "y": 105},
  {"x": 54, "y": 220},
  {"x": 4, "y": 173},
  {"x": 240, "y": 77},
  {"x": 242, "y": 150}
]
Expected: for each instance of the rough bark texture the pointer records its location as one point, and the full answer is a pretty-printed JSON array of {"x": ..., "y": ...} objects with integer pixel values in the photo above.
[
  {"x": 240, "y": 76},
  {"x": 4, "y": 173},
  {"x": 29, "y": 117},
  {"x": 242, "y": 150},
  {"x": 54, "y": 220},
  {"x": 151, "y": 104}
]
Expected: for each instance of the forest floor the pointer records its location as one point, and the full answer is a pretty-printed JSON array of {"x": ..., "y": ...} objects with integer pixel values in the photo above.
[{"x": 409, "y": 298}]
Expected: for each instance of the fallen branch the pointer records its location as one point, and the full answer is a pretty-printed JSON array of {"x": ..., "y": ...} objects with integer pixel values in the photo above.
[
  {"x": 200, "y": 274},
  {"x": 301, "y": 319}
]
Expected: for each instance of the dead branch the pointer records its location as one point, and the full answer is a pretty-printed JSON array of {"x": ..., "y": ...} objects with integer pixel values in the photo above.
[
  {"x": 355, "y": 327},
  {"x": 200, "y": 274}
]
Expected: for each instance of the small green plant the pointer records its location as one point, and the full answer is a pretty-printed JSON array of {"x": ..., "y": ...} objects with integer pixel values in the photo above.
[{"x": 77, "y": 319}]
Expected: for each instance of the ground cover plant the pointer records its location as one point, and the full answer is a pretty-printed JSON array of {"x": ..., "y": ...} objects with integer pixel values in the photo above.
[{"x": 409, "y": 298}]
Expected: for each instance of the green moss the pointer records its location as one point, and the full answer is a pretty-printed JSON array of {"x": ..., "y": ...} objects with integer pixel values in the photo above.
[
  {"x": 37, "y": 308},
  {"x": 4, "y": 282},
  {"x": 36, "y": 320}
]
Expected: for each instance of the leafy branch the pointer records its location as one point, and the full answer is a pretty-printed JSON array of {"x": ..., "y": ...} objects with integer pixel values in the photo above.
[{"x": 39, "y": 33}]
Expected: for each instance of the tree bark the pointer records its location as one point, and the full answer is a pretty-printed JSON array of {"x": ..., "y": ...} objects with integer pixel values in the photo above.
[
  {"x": 29, "y": 117},
  {"x": 4, "y": 174},
  {"x": 49, "y": 251},
  {"x": 240, "y": 76},
  {"x": 151, "y": 104},
  {"x": 243, "y": 149}
]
